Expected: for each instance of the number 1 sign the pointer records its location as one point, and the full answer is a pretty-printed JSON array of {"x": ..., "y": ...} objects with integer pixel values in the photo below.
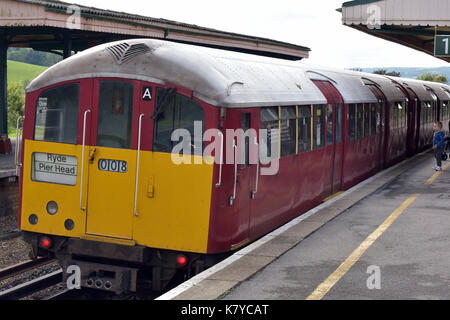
[{"x": 441, "y": 46}]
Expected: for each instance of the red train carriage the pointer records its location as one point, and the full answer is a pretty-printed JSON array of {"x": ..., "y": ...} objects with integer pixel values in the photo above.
[{"x": 100, "y": 181}]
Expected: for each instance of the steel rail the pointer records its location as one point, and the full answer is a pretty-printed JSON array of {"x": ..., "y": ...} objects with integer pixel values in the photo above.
[
  {"x": 33, "y": 286},
  {"x": 23, "y": 267}
]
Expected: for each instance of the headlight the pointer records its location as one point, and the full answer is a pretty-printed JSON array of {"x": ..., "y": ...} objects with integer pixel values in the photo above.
[
  {"x": 52, "y": 208},
  {"x": 69, "y": 224},
  {"x": 33, "y": 219}
]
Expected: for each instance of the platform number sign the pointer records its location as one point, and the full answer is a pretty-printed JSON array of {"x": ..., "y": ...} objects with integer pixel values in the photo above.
[
  {"x": 442, "y": 46},
  {"x": 147, "y": 94}
]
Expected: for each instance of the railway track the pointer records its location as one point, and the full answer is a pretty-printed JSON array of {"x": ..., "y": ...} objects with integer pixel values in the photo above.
[{"x": 28, "y": 288}]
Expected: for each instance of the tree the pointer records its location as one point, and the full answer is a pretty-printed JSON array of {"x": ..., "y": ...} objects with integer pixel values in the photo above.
[
  {"x": 16, "y": 101},
  {"x": 434, "y": 77},
  {"x": 28, "y": 55},
  {"x": 385, "y": 73}
]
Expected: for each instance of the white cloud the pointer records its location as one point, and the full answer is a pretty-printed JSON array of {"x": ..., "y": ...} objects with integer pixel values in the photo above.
[{"x": 314, "y": 24}]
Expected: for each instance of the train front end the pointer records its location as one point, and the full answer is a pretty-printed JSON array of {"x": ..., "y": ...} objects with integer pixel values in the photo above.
[{"x": 100, "y": 190}]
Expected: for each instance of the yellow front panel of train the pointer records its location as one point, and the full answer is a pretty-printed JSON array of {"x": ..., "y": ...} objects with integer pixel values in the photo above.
[
  {"x": 111, "y": 188},
  {"x": 174, "y": 204},
  {"x": 52, "y": 173}
]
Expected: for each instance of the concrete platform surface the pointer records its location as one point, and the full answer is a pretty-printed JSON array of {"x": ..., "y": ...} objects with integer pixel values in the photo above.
[{"x": 375, "y": 241}]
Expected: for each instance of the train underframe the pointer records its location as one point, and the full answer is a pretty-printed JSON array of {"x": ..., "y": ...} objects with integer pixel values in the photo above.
[{"x": 121, "y": 269}]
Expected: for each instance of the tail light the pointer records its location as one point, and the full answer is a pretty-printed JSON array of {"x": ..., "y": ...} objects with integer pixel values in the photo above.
[
  {"x": 182, "y": 260},
  {"x": 45, "y": 242}
]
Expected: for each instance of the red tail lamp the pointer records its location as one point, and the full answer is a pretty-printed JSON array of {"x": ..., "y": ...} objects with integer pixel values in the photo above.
[
  {"x": 182, "y": 260},
  {"x": 45, "y": 242}
]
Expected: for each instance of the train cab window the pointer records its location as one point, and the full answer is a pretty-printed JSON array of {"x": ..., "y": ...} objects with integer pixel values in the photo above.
[
  {"x": 57, "y": 114},
  {"x": 329, "y": 125},
  {"x": 270, "y": 122},
  {"x": 115, "y": 110},
  {"x": 359, "y": 120},
  {"x": 304, "y": 129},
  {"x": 351, "y": 122},
  {"x": 319, "y": 127},
  {"x": 176, "y": 111},
  {"x": 288, "y": 131},
  {"x": 367, "y": 114}
]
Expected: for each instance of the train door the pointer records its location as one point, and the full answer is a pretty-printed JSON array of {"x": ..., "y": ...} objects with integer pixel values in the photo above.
[
  {"x": 112, "y": 160},
  {"x": 335, "y": 111},
  {"x": 245, "y": 140}
]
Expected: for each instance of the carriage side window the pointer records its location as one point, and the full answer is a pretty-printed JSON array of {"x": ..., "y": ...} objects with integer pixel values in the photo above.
[
  {"x": 339, "y": 126},
  {"x": 394, "y": 116},
  {"x": 426, "y": 112},
  {"x": 367, "y": 120},
  {"x": 405, "y": 115},
  {"x": 271, "y": 122},
  {"x": 400, "y": 112},
  {"x": 115, "y": 114},
  {"x": 351, "y": 122},
  {"x": 246, "y": 125},
  {"x": 57, "y": 114},
  {"x": 329, "y": 124},
  {"x": 359, "y": 120},
  {"x": 175, "y": 111},
  {"x": 429, "y": 112},
  {"x": 373, "y": 119},
  {"x": 288, "y": 131},
  {"x": 304, "y": 129},
  {"x": 319, "y": 127}
]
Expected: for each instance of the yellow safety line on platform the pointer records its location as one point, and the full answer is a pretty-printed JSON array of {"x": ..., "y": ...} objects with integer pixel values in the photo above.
[
  {"x": 326, "y": 286},
  {"x": 436, "y": 175},
  {"x": 333, "y": 196},
  {"x": 329, "y": 283}
]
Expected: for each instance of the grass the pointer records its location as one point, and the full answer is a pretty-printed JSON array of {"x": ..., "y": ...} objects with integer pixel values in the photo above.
[{"x": 19, "y": 71}]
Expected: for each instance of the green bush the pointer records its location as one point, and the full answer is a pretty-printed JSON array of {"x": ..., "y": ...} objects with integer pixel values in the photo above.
[
  {"x": 434, "y": 77},
  {"x": 16, "y": 102}
]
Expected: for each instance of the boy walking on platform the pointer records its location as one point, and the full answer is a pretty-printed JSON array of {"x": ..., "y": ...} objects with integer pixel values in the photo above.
[{"x": 438, "y": 144}]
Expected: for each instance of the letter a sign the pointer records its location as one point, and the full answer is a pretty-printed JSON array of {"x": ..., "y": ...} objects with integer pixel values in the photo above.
[{"x": 147, "y": 94}]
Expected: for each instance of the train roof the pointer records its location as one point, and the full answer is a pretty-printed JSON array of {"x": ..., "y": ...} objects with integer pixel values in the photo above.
[
  {"x": 223, "y": 78},
  {"x": 418, "y": 88},
  {"x": 349, "y": 84}
]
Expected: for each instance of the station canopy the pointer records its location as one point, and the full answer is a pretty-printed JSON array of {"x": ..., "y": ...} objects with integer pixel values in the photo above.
[
  {"x": 45, "y": 24},
  {"x": 63, "y": 28},
  {"x": 413, "y": 23}
]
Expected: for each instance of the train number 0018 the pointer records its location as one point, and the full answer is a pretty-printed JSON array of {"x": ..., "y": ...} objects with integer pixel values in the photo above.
[{"x": 113, "y": 165}]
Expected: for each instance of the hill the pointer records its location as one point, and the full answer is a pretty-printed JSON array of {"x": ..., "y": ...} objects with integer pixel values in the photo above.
[
  {"x": 412, "y": 72},
  {"x": 19, "y": 71}
]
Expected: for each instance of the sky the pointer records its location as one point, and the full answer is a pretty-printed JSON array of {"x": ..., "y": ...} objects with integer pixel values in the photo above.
[{"x": 314, "y": 23}]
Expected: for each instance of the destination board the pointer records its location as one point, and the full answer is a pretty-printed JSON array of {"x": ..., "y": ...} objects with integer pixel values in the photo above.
[{"x": 55, "y": 168}]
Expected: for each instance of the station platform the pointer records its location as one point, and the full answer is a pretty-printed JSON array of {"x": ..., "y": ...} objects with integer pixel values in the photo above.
[
  {"x": 385, "y": 239},
  {"x": 7, "y": 163}
]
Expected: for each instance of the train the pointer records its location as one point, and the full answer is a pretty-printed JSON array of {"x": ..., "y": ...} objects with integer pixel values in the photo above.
[{"x": 99, "y": 187}]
